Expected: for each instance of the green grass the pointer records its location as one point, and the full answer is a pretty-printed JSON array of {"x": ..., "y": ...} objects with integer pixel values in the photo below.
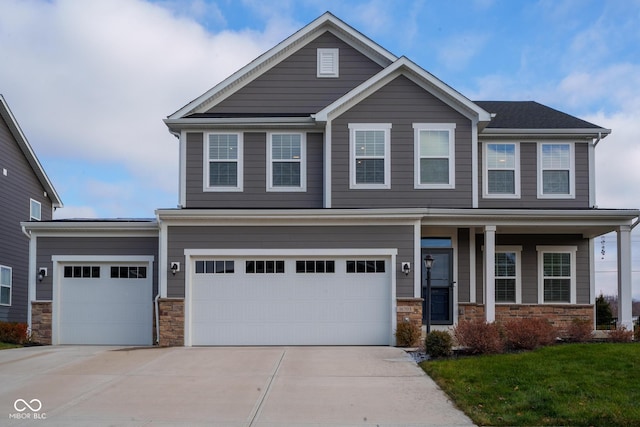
[
  {"x": 573, "y": 384},
  {"x": 5, "y": 345}
]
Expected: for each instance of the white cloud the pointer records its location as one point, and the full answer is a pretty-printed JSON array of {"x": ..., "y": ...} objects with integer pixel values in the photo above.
[
  {"x": 457, "y": 51},
  {"x": 75, "y": 212}
]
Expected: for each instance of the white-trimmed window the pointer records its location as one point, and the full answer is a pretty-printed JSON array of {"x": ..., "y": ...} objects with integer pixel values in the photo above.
[
  {"x": 370, "y": 155},
  {"x": 286, "y": 162},
  {"x": 328, "y": 63},
  {"x": 223, "y": 162},
  {"x": 557, "y": 274},
  {"x": 5, "y": 285},
  {"x": 434, "y": 155},
  {"x": 507, "y": 274},
  {"x": 501, "y": 171},
  {"x": 35, "y": 210},
  {"x": 556, "y": 170}
]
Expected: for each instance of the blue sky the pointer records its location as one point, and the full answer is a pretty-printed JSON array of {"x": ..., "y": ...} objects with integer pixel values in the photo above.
[{"x": 91, "y": 81}]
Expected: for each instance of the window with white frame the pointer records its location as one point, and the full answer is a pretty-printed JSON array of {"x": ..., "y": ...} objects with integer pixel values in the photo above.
[
  {"x": 434, "y": 155},
  {"x": 556, "y": 171},
  {"x": 35, "y": 210},
  {"x": 328, "y": 63},
  {"x": 223, "y": 157},
  {"x": 507, "y": 274},
  {"x": 370, "y": 155},
  {"x": 5, "y": 285},
  {"x": 286, "y": 162},
  {"x": 557, "y": 274},
  {"x": 501, "y": 172}
]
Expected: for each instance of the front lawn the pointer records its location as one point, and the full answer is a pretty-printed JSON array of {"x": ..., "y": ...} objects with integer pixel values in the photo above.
[
  {"x": 571, "y": 384},
  {"x": 6, "y": 345}
]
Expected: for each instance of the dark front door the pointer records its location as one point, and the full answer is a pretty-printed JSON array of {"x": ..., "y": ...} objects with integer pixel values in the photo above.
[{"x": 441, "y": 295}]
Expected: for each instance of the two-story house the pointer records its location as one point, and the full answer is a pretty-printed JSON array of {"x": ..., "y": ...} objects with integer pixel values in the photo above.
[
  {"x": 313, "y": 184},
  {"x": 26, "y": 194}
]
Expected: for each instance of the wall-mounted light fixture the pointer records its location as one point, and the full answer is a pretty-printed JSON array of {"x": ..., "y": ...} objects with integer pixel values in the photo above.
[
  {"x": 175, "y": 267},
  {"x": 406, "y": 268},
  {"x": 42, "y": 273}
]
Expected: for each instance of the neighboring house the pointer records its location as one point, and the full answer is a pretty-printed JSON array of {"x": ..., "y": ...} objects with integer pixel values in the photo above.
[
  {"x": 313, "y": 183},
  {"x": 26, "y": 194}
]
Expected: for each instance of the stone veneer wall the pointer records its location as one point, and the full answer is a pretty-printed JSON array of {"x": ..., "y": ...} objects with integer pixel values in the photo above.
[
  {"x": 41, "y": 322},
  {"x": 560, "y": 316},
  {"x": 411, "y": 309},
  {"x": 171, "y": 312}
]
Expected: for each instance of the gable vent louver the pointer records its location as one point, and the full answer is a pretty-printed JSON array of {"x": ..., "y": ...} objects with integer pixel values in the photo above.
[{"x": 328, "y": 60}]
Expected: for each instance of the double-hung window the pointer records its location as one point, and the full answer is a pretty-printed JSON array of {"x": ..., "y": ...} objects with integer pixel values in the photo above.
[
  {"x": 557, "y": 274},
  {"x": 501, "y": 174},
  {"x": 286, "y": 164},
  {"x": 434, "y": 165},
  {"x": 5, "y": 285},
  {"x": 507, "y": 274},
  {"x": 556, "y": 170},
  {"x": 370, "y": 155},
  {"x": 35, "y": 210},
  {"x": 223, "y": 157}
]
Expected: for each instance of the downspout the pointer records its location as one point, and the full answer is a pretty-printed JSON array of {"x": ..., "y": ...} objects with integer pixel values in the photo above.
[
  {"x": 155, "y": 301},
  {"x": 597, "y": 140}
]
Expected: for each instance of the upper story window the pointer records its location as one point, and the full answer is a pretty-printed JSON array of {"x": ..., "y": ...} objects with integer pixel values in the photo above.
[
  {"x": 507, "y": 274},
  {"x": 370, "y": 155},
  {"x": 35, "y": 211},
  {"x": 223, "y": 157},
  {"x": 556, "y": 170},
  {"x": 557, "y": 274},
  {"x": 434, "y": 155},
  {"x": 501, "y": 172},
  {"x": 286, "y": 163},
  {"x": 5, "y": 285},
  {"x": 328, "y": 63}
]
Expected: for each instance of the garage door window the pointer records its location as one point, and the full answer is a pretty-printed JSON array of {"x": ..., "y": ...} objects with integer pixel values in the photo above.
[
  {"x": 264, "y": 267},
  {"x": 315, "y": 266},
  {"x": 128, "y": 272},
  {"x": 82, "y": 271},
  {"x": 365, "y": 266},
  {"x": 215, "y": 267}
]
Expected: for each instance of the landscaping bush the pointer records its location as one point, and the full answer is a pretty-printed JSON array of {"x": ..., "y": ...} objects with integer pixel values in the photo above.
[
  {"x": 621, "y": 334},
  {"x": 13, "y": 332},
  {"x": 438, "y": 344},
  {"x": 407, "y": 334},
  {"x": 636, "y": 334},
  {"x": 529, "y": 333},
  {"x": 580, "y": 330},
  {"x": 479, "y": 337}
]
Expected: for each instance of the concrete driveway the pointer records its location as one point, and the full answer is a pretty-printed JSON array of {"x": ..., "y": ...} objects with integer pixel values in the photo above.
[{"x": 230, "y": 386}]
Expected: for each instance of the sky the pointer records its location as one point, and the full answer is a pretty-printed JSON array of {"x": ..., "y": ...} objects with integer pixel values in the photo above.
[{"x": 90, "y": 81}]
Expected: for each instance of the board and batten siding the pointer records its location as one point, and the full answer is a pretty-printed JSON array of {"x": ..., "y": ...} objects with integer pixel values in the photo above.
[
  {"x": 529, "y": 261},
  {"x": 529, "y": 181},
  {"x": 298, "y": 237},
  {"x": 292, "y": 86},
  {"x": 254, "y": 194},
  {"x": 107, "y": 246},
  {"x": 401, "y": 103},
  {"x": 16, "y": 189}
]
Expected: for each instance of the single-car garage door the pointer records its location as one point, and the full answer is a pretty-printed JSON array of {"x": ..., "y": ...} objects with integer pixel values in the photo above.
[
  {"x": 106, "y": 304},
  {"x": 290, "y": 300}
]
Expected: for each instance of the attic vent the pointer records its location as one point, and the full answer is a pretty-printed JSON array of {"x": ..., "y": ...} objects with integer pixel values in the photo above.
[{"x": 328, "y": 60}]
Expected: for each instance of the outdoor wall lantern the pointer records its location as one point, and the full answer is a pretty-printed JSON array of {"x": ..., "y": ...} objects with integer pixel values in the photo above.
[
  {"x": 42, "y": 273},
  {"x": 406, "y": 268},
  {"x": 175, "y": 267}
]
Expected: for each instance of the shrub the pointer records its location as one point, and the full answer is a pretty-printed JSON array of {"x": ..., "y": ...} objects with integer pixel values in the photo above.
[
  {"x": 479, "y": 337},
  {"x": 621, "y": 334},
  {"x": 580, "y": 330},
  {"x": 529, "y": 333},
  {"x": 13, "y": 332},
  {"x": 636, "y": 334},
  {"x": 407, "y": 334},
  {"x": 438, "y": 344},
  {"x": 604, "y": 316}
]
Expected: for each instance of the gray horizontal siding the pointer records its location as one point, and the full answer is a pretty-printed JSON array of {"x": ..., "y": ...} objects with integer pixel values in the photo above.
[
  {"x": 16, "y": 189},
  {"x": 401, "y": 103},
  {"x": 255, "y": 194},
  {"x": 529, "y": 182},
  {"x": 107, "y": 246},
  {"x": 279, "y": 237},
  {"x": 292, "y": 86}
]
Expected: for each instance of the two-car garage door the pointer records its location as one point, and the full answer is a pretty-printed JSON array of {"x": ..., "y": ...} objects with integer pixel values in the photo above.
[{"x": 289, "y": 300}]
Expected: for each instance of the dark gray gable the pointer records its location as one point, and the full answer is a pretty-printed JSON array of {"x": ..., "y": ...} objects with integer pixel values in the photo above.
[{"x": 530, "y": 115}]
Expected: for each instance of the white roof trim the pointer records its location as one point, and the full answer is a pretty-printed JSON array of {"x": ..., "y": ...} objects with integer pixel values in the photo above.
[
  {"x": 418, "y": 75},
  {"x": 275, "y": 55},
  {"x": 26, "y": 149},
  {"x": 588, "y": 132}
]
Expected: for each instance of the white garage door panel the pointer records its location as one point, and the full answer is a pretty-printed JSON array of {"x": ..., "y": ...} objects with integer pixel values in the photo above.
[
  {"x": 106, "y": 311},
  {"x": 291, "y": 308}
]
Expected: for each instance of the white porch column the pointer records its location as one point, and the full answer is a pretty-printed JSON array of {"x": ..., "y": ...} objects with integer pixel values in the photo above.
[
  {"x": 490, "y": 273},
  {"x": 624, "y": 277}
]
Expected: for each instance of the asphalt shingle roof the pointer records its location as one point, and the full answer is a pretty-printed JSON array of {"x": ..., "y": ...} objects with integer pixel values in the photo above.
[{"x": 530, "y": 115}]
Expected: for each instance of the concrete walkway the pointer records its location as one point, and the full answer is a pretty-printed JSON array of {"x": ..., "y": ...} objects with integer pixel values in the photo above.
[{"x": 214, "y": 386}]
